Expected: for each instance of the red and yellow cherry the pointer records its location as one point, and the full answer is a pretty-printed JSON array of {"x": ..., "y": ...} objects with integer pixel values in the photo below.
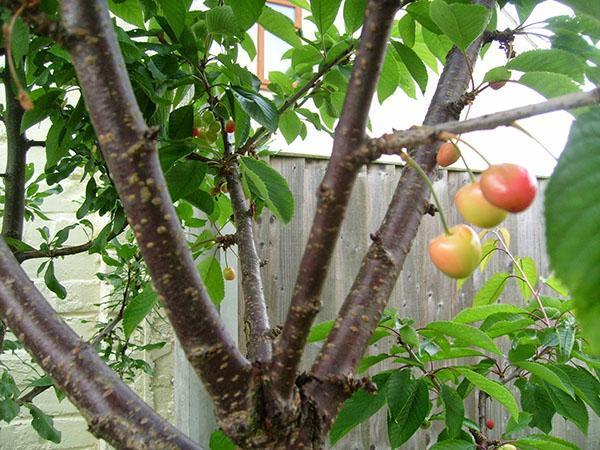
[
  {"x": 509, "y": 186},
  {"x": 495, "y": 85},
  {"x": 447, "y": 154},
  {"x": 199, "y": 133},
  {"x": 230, "y": 126},
  {"x": 473, "y": 206},
  {"x": 229, "y": 274},
  {"x": 490, "y": 424},
  {"x": 456, "y": 254}
]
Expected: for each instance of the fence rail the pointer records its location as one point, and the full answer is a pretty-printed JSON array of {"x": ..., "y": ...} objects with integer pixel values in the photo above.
[{"x": 422, "y": 293}]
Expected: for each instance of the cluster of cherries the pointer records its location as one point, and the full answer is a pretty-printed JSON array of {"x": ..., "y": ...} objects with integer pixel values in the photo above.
[{"x": 501, "y": 189}]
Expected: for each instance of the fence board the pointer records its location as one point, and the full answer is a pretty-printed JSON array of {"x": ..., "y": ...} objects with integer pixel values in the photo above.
[{"x": 421, "y": 293}]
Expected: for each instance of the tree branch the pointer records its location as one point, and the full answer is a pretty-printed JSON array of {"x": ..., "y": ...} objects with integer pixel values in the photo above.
[
  {"x": 393, "y": 143},
  {"x": 383, "y": 262},
  {"x": 113, "y": 411},
  {"x": 333, "y": 195},
  {"x": 128, "y": 148}
]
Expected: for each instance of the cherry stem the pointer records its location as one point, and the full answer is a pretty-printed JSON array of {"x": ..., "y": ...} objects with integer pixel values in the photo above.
[
  {"x": 527, "y": 133},
  {"x": 413, "y": 164},
  {"x": 535, "y": 293},
  {"x": 475, "y": 150},
  {"x": 469, "y": 171}
]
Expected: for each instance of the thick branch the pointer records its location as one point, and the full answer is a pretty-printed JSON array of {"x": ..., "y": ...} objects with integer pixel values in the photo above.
[
  {"x": 381, "y": 266},
  {"x": 16, "y": 151},
  {"x": 128, "y": 148},
  {"x": 395, "y": 142},
  {"x": 113, "y": 411},
  {"x": 333, "y": 195}
]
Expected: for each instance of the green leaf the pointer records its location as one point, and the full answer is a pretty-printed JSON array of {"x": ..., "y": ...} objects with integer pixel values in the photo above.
[
  {"x": 137, "y": 309},
  {"x": 388, "y": 80},
  {"x": 413, "y": 63},
  {"x": 212, "y": 276},
  {"x": 175, "y": 12},
  {"x": 528, "y": 268},
  {"x": 452, "y": 444},
  {"x": 491, "y": 290},
  {"x": 184, "y": 178},
  {"x": 52, "y": 283},
  {"x": 354, "y": 12},
  {"x": 549, "y": 84},
  {"x": 544, "y": 373},
  {"x": 246, "y": 12},
  {"x": 585, "y": 384},
  {"x": 584, "y": 6},
  {"x": 257, "y": 107},
  {"x": 465, "y": 333},
  {"x": 358, "y": 408},
  {"x": 290, "y": 126},
  {"x": 493, "y": 389},
  {"x": 497, "y": 74},
  {"x": 420, "y": 11},
  {"x": 19, "y": 41},
  {"x": 462, "y": 23},
  {"x": 128, "y": 10},
  {"x": 543, "y": 442},
  {"x": 535, "y": 400},
  {"x": 566, "y": 340},
  {"x": 280, "y": 25},
  {"x": 572, "y": 409},
  {"x": 407, "y": 30},
  {"x": 320, "y": 331},
  {"x": 513, "y": 426},
  {"x": 369, "y": 361},
  {"x": 219, "y": 441},
  {"x": 549, "y": 60},
  {"x": 43, "y": 424},
  {"x": 324, "y": 13},
  {"x": 9, "y": 409},
  {"x": 408, "y": 402},
  {"x": 454, "y": 410},
  {"x": 470, "y": 315},
  {"x": 181, "y": 122},
  {"x": 573, "y": 220},
  {"x": 44, "y": 104},
  {"x": 221, "y": 20},
  {"x": 279, "y": 198}
]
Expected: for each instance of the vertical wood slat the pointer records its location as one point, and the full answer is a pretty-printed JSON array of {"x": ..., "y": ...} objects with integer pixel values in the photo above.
[{"x": 421, "y": 293}]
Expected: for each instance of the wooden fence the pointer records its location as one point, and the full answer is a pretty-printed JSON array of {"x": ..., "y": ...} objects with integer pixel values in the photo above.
[{"x": 421, "y": 293}]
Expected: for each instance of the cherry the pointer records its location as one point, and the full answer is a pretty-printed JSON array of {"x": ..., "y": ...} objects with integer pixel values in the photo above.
[
  {"x": 198, "y": 132},
  {"x": 447, "y": 154},
  {"x": 229, "y": 273},
  {"x": 495, "y": 85},
  {"x": 456, "y": 254},
  {"x": 230, "y": 126},
  {"x": 508, "y": 186},
  {"x": 490, "y": 424},
  {"x": 473, "y": 206}
]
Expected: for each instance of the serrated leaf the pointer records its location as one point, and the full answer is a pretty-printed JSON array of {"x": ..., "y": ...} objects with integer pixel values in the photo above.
[
  {"x": 549, "y": 60},
  {"x": 128, "y": 10},
  {"x": 549, "y": 84},
  {"x": 43, "y": 424},
  {"x": 572, "y": 409},
  {"x": 497, "y": 74},
  {"x": 221, "y": 20},
  {"x": 544, "y": 442},
  {"x": 573, "y": 220},
  {"x": 475, "y": 314},
  {"x": 585, "y": 384},
  {"x": 491, "y": 290},
  {"x": 175, "y": 12},
  {"x": 277, "y": 193},
  {"x": 369, "y": 361},
  {"x": 407, "y": 30},
  {"x": 354, "y": 12},
  {"x": 324, "y": 13},
  {"x": 452, "y": 444},
  {"x": 544, "y": 373},
  {"x": 212, "y": 276},
  {"x": 408, "y": 402},
  {"x": 52, "y": 283},
  {"x": 358, "y": 408},
  {"x": 137, "y": 309},
  {"x": 454, "y": 410},
  {"x": 413, "y": 63},
  {"x": 492, "y": 388},
  {"x": 388, "y": 79},
  {"x": 184, "y": 178},
  {"x": 246, "y": 12},
  {"x": 290, "y": 126},
  {"x": 462, "y": 23},
  {"x": 9, "y": 409},
  {"x": 279, "y": 25},
  {"x": 257, "y": 107},
  {"x": 465, "y": 333}
]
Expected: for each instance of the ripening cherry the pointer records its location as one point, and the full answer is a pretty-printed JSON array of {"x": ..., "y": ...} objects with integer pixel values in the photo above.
[
  {"x": 473, "y": 206},
  {"x": 447, "y": 154},
  {"x": 199, "y": 133},
  {"x": 230, "y": 126},
  {"x": 509, "y": 186},
  {"x": 229, "y": 274},
  {"x": 456, "y": 254},
  {"x": 495, "y": 85},
  {"x": 490, "y": 424}
]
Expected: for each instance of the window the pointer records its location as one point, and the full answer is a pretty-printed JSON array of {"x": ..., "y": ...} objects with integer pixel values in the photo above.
[{"x": 270, "y": 48}]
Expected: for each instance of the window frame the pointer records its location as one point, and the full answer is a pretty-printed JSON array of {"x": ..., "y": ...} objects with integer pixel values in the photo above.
[{"x": 260, "y": 41}]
